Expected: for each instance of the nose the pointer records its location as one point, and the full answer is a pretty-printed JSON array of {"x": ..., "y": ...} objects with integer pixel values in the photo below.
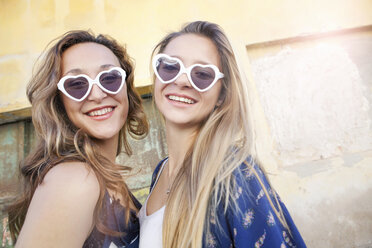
[
  {"x": 183, "y": 81},
  {"x": 96, "y": 94}
]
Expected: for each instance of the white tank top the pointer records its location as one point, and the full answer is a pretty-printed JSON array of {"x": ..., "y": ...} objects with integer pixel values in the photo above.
[{"x": 151, "y": 226}]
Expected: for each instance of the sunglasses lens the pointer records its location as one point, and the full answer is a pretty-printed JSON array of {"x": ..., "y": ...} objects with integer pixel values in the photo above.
[
  {"x": 202, "y": 77},
  {"x": 167, "y": 69},
  {"x": 111, "y": 80},
  {"x": 76, "y": 87}
]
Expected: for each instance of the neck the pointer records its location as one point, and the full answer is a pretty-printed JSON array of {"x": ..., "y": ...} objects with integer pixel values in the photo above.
[
  {"x": 179, "y": 140},
  {"x": 108, "y": 147}
]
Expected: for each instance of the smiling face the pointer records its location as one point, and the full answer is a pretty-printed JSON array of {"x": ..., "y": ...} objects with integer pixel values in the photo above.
[
  {"x": 178, "y": 101},
  {"x": 101, "y": 115}
]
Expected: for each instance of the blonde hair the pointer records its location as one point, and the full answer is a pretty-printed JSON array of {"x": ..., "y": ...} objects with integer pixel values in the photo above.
[
  {"x": 223, "y": 143},
  {"x": 59, "y": 140}
]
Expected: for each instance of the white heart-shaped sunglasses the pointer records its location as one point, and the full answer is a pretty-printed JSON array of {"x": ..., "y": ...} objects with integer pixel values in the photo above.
[
  {"x": 168, "y": 69},
  {"x": 78, "y": 87}
]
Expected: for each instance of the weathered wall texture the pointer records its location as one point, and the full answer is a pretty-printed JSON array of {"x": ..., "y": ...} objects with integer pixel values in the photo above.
[
  {"x": 325, "y": 107},
  {"x": 316, "y": 96},
  {"x": 308, "y": 65}
]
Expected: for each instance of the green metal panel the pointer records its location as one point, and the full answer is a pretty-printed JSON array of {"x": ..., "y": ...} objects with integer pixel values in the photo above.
[{"x": 12, "y": 150}]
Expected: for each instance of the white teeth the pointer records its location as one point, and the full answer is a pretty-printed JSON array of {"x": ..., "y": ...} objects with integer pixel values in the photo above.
[
  {"x": 181, "y": 99},
  {"x": 100, "y": 112}
]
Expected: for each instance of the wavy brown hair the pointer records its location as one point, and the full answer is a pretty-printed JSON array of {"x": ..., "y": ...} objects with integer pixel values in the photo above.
[{"x": 59, "y": 140}]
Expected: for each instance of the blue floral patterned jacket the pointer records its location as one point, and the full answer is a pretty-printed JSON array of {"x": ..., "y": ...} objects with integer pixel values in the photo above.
[{"x": 257, "y": 223}]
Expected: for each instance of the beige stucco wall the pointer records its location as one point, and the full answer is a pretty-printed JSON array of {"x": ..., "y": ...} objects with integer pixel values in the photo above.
[
  {"x": 312, "y": 101},
  {"x": 329, "y": 197}
]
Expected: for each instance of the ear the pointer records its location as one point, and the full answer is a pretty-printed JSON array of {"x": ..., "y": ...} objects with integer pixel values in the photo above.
[
  {"x": 221, "y": 98},
  {"x": 219, "y": 102}
]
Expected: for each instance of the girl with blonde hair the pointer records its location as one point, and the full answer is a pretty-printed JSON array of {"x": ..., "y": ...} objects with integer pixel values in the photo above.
[
  {"x": 83, "y": 106},
  {"x": 208, "y": 192}
]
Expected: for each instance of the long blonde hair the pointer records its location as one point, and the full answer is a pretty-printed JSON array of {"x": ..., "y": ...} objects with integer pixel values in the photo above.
[
  {"x": 59, "y": 140},
  {"x": 224, "y": 141}
]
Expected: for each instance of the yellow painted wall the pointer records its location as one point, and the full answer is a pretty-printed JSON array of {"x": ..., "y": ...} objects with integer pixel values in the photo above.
[{"x": 27, "y": 26}]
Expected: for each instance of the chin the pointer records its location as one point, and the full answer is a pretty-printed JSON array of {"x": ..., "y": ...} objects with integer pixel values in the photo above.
[{"x": 103, "y": 135}]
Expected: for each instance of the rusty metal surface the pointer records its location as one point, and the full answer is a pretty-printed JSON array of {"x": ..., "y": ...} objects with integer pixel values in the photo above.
[{"x": 11, "y": 153}]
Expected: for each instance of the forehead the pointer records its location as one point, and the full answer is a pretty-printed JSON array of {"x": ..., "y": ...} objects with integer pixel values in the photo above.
[
  {"x": 86, "y": 56},
  {"x": 193, "y": 48}
]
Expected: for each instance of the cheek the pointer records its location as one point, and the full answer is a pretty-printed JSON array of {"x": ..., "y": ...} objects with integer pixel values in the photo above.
[
  {"x": 72, "y": 109},
  {"x": 158, "y": 87},
  {"x": 214, "y": 95},
  {"x": 122, "y": 98},
  {"x": 70, "y": 106}
]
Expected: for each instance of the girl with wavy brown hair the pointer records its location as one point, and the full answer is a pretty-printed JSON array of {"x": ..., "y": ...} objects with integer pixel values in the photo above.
[
  {"x": 83, "y": 106},
  {"x": 209, "y": 191}
]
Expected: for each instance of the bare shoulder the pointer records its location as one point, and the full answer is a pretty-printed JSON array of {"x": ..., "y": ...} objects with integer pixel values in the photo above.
[
  {"x": 73, "y": 180},
  {"x": 71, "y": 172},
  {"x": 62, "y": 206}
]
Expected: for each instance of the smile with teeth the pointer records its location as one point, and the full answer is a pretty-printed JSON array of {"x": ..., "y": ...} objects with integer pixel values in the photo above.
[
  {"x": 181, "y": 99},
  {"x": 100, "y": 111}
]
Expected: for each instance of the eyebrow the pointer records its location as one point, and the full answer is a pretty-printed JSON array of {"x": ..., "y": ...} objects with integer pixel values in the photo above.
[{"x": 80, "y": 71}]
